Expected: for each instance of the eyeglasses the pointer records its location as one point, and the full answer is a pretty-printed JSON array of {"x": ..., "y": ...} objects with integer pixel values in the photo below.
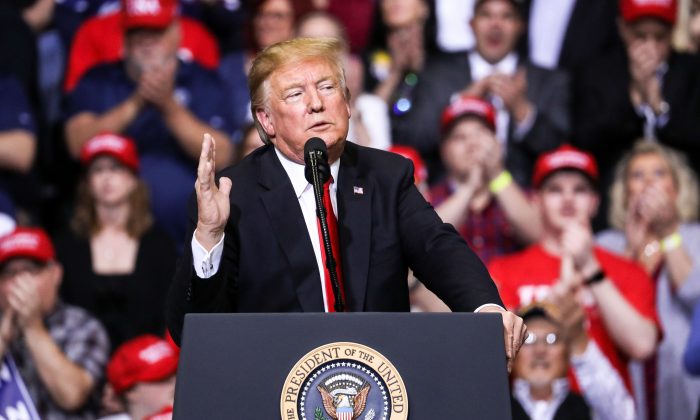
[{"x": 549, "y": 339}]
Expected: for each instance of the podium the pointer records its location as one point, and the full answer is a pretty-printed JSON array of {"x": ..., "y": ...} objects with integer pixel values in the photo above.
[{"x": 380, "y": 365}]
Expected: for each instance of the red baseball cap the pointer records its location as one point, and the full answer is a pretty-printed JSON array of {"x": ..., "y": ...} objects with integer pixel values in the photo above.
[
  {"x": 565, "y": 157},
  {"x": 146, "y": 358},
  {"x": 664, "y": 10},
  {"x": 420, "y": 173},
  {"x": 468, "y": 105},
  {"x": 121, "y": 148},
  {"x": 154, "y": 14},
  {"x": 27, "y": 242}
]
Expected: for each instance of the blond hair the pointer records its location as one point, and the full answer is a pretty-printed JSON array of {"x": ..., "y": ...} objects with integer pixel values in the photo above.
[
  {"x": 287, "y": 53},
  {"x": 684, "y": 179}
]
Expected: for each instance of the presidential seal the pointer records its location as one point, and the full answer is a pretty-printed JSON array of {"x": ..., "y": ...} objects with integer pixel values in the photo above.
[{"x": 344, "y": 381}]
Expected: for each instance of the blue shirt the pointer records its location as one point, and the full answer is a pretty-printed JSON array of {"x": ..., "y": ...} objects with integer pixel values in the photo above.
[
  {"x": 198, "y": 89},
  {"x": 15, "y": 112},
  {"x": 163, "y": 161}
]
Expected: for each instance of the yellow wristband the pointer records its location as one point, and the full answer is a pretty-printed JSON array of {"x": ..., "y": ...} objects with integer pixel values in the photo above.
[
  {"x": 501, "y": 182},
  {"x": 671, "y": 242}
]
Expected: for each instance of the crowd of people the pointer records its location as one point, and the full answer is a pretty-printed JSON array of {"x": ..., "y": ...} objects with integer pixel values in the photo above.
[{"x": 560, "y": 139}]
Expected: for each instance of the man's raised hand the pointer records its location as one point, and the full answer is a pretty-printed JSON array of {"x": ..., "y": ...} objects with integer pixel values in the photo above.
[{"x": 213, "y": 206}]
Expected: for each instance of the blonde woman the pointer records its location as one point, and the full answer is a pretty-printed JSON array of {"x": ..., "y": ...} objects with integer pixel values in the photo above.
[{"x": 654, "y": 209}]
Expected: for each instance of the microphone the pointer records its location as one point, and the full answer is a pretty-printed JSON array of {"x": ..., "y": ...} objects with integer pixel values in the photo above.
[
  {"x": 316, "y": 156},
  {"x": 318, "y": 172}
]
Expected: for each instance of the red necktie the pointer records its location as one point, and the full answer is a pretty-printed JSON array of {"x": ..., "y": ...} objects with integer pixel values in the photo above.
[{"x": 335, "y": 243}]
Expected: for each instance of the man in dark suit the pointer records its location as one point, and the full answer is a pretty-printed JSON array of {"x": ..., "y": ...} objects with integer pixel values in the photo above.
[
  {"x": 532, "y": 102},
  {"x": 255, "y": 247},
  {"x": 566, "y": 34},
  {"x": 645, "y": 90}
]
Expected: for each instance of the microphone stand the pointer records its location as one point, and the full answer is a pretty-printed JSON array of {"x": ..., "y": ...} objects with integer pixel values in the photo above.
[{"x": 321, "y": 213}]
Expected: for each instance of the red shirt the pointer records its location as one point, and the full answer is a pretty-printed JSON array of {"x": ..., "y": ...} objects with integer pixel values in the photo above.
[
  {"x": 528, "y": 276},
  {"x": 101, "y": 38}
]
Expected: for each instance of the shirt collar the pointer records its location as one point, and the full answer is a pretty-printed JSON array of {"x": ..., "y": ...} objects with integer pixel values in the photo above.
[
  {"x": 295, "y": 172},
  {"x": 521, "y": 389},
  {"x": 481, "y": 68}
]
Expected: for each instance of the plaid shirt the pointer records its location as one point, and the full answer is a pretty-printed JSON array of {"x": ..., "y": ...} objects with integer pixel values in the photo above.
[
  {"x": 489, "y": 234},
  {"x": 84, "y": 341}
]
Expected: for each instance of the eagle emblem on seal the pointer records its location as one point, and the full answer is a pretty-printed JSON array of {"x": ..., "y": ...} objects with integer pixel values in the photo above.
[{"x": 344, "y": 396}]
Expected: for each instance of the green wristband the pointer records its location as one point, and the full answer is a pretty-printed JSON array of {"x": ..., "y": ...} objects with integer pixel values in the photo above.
[
  {"x": 501, "y": 182},
  {"x": 671, "y": 242}
]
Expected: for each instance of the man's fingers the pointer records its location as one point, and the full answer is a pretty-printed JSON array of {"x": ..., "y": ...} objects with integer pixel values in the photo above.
[
  {"x": 205, "y": 168},
  {"x": 15, "y": 303},
  {"x": 508, "y": 324},
  {"x": 515, "y": 333},
  {"x": 17, "y": 292},
  {"x": 213, "y": 151},
  {"x": 7, "y": 320},
  {"x": 566, "y": 270},
  {"x": 204, "y": 154},
  {"x": 225, "y": 185},
  {"x": 519, "y": 329}
]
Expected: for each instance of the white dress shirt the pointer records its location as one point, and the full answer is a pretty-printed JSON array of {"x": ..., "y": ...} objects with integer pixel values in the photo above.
[
  {"x": 206, "y": 263},
  {"x": 549, "y": 21},
  {"x": 541, "y": 409},
  {"x": 652, "y": 122},
  {"x": 508, "y": 66}
]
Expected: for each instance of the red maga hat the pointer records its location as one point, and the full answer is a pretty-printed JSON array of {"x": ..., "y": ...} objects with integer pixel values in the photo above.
[
  {"x": 26, "y": 242},
  {"x": 153, "y": 14},
  {"x": 665, "y": 10},
  {"x": 121, "y": 148},
  {"x": 565, "y": 157},
  {"x": 146, "y": 358},
  {"x": 472, "y": 106}
]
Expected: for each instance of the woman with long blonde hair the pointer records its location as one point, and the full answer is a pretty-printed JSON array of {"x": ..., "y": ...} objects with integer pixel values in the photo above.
[{"x": 654, "y": 210}]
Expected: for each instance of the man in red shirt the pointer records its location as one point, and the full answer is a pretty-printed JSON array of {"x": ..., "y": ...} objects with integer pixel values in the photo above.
[
  {"x": 616, "y": 293},
  {"x": 101, "y": 40}
]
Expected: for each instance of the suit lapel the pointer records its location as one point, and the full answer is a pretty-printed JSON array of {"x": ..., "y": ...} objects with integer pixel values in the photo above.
[
  {"x": 573, "y": 32},
  {"x": 287, "y": 223},
  {"x": 355, "y": 217}
]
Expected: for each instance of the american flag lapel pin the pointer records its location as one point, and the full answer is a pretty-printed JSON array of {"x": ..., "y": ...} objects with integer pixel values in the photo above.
[{"x": 358, "y": 190}]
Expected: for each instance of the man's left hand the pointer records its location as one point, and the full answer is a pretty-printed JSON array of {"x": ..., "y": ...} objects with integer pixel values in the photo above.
[
  {"x": 577, "y": 241},
  {"x": 513, "y": 91},
  {"x": 158, "y": 83},
  {"x": 514, "y": 332},
  {"x": 25, "y": 300}
]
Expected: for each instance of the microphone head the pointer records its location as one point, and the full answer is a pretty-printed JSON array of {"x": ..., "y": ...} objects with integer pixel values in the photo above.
[
  {"x": 316, "y": 148},
  {"x": 315, "y": 144}
]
